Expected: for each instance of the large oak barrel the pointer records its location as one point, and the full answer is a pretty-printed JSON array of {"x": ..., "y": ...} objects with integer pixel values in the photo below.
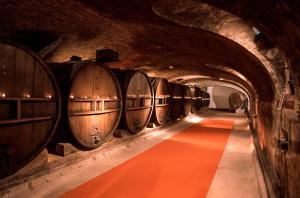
[
  {"x": 177, "y": 104},
  {"x": 206, "y": 99},
  {"x": 235, "y": 101},
  {"x": 202, "y": 96},
  {"x": 29, "y": 106},
  {"x": 162, "y": 96},
  {"x": 91, "y": 102},
  {"x": 187, "y": 101},
  {"x": 196, "y": 100},
  {"x": 138, "y": 99}
]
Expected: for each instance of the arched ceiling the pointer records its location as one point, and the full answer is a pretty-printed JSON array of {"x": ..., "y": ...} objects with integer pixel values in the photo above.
[
  {"x": 279, "y": 20},
  {"x": 200, "y": 15},
  {"x": 142, "y": 38}
]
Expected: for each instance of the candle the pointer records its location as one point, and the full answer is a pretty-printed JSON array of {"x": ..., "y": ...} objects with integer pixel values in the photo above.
[
  {"x": 27, "y": 95},
  {"x": 3, "y": 95},
  {"x": 49, "y": 96},
  {"x": 71, "y": 96}
]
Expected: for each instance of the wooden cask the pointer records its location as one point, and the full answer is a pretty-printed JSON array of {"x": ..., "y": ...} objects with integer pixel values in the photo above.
[
  {"x": 29, "y": 106},
  {"x": 202, "y": 96},
  {"x": 91, "y": 102},
  {"x": 196, "y": 100},
  {"x": 187, "y": 101},
  {"x": 177, "y": 104},
  {"x": 235, "y": 101},
  {"x": 206, "y": 99},
  {"x": 162, "y": 100},
  {"x": 138, "y": 99}
]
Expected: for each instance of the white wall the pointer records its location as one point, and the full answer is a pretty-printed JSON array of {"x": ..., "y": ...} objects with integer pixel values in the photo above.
[{"x": 219, "y": 96}]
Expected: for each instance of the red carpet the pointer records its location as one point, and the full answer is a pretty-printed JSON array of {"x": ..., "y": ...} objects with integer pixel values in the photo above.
[{"x": 182, "y": 166}]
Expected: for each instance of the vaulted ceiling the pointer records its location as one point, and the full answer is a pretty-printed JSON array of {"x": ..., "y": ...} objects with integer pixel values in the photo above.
[{"x": 169, "y": 38}]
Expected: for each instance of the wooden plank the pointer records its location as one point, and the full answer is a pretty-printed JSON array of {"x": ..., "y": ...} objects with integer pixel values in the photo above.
[
  {"x": 162, "y": 105},
  {"x": 19, "y": 109},
  {"x": 28, "y": 99},
  {"x": 138, "y": 108},
  {"x": 23, "y": 120},
  {"x": 85, "y": 113},
  {"x": 92, "y": 100}
]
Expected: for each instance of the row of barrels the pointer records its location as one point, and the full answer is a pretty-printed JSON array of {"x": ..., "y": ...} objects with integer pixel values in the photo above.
[{"x": 81, "y": 99}]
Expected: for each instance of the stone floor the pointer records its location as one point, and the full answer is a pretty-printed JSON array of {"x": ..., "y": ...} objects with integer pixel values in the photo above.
[{"x": 238, "y": 175}]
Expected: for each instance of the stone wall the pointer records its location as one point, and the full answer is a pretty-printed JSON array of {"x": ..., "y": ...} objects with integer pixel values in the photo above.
[{"x": 279, "y": 134}]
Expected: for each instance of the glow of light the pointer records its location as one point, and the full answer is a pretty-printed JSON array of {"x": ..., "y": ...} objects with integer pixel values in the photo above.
[
  {"x": 27, "y": 95},
  {"x": 194, "y": 119},
  {"x": 85, "y": 97},
  {"x": 71, "y": 96},
  {"x": 49, "y": 96},
  {"x": 98, "y": 97},
  {"x": 3, "y": 95}
]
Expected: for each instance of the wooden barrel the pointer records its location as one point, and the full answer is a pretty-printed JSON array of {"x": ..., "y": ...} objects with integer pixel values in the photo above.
[
  {"x": 203, "y": 100},
  {"x": 206, "y": 99},
  {"x": 29, "y": 106},
  {"x": 196, "y": 100},
  {"x": 91, "y": 102},
  {"x": 187, "y": 101},
  {"x": 162, "y": 96},
  {"x": 235, "y": 101},
  {"x": 177, "y": 104},
  {"x": 138, "y": 99}
]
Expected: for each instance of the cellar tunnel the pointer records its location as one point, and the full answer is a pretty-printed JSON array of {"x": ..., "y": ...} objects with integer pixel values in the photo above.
[{"x": 111, "y": 85}]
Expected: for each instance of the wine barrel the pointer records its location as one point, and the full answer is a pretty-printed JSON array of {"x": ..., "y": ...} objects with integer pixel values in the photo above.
[
  {"x": 187, "y": 101},
  {"x": 91, "y": 102},
  {"x": 162, "y": 96},
  {"x": 138, "y": 99},
  {"x": 235, "y": 101},
  {"x": 196, "y": 100},
  {"x": 177, "y": 104},
  {"x": 206, "y": 99},
  {"x": 29, "y": 106}
]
